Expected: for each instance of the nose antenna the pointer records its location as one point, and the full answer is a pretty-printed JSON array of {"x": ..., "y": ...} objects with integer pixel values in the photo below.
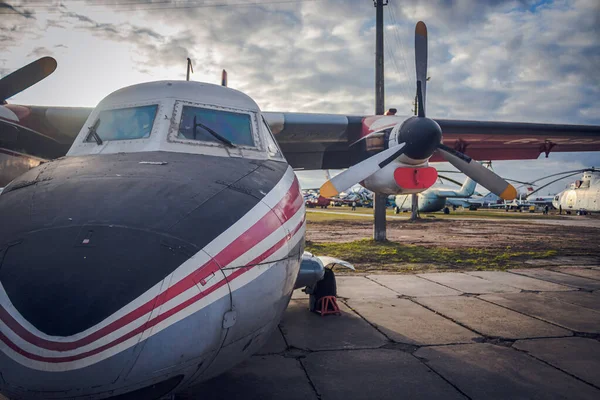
[
  {"x": 189, "y": 68},
  {"x": 224, "y": 78}
]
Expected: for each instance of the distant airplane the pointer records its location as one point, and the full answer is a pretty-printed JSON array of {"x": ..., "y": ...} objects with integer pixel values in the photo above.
[
  {"x": 435, "y": 199},
  {"x": 582, "y": 196},
  {"x": 159, "y": 242}
]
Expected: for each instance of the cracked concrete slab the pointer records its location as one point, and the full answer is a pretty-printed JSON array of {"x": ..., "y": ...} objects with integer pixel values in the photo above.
[
  {"x": 261, "y": 377},
  {"x": 489, "y": 319},
  {"x": 359, "y": 287},
  {"x": 580, "y": 271},
  {"x": 549, "y": 309},
  {"x": 584, "y": 299},
  {"x": 309, "y": 331},
  {"x": 468, "y": 283},
  {"x": 575, "y": 355},
  {"x": 403, "y": 321},
  {"x": 412, "y": 286},
  {"x": 486, "y": 371},
  {"x": 519, "y": 281},
  {"x": 560, "y": 278},
  {"x": 375, "y": 374},
  {"x": 274, "y": 345}
]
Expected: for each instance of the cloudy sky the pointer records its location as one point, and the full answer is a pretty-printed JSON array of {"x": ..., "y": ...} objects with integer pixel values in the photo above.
[{"x": 519, "y": 60}]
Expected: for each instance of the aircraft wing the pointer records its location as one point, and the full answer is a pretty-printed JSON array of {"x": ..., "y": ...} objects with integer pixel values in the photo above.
[
  {"x": 16, "y": 139},
  {"x": 322, "y": 141},
  {"x": 42, "y": 132},
  {"x": 330, "y": 141}
]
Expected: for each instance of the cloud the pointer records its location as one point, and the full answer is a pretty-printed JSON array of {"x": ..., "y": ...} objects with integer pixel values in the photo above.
[
  {"x": 153, "y": 48},
  {"x": 495, "y": 60},
  {"x": 10, "y": 10},
  {"x": 40, "y": 51}
]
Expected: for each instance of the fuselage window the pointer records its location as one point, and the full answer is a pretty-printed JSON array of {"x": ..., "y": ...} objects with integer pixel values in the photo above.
[
  {"x": 213, "y": 125},
  {"x": 124, "y": 123}
]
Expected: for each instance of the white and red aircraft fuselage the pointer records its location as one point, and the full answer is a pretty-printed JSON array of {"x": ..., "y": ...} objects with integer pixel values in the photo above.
[{"x": 154, "y": 257}]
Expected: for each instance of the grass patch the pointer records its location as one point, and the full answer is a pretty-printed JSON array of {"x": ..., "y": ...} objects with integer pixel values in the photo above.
[
  {"x": 368, "y": 255},
  {"x": 329, "y": 216},
  {"x": 346, "y": 213}
]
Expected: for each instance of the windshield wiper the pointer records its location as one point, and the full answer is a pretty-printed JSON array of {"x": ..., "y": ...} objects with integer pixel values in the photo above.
[
  {"x": 209, "y": 130},
  {"x": 93, "y": 133}
]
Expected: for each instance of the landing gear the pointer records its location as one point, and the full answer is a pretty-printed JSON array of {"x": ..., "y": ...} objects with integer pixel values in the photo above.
[
  {"x": 397, "y": 210},
  {"x": 446, "y": 210},
  {"x": 325, "y": 287}
]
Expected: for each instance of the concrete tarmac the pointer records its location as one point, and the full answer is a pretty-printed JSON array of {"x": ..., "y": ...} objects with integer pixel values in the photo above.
[{"x": 476, "y": 335}]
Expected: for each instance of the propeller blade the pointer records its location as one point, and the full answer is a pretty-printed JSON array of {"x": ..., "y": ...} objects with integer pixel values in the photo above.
[
  {"x": 421, "y": 62},
  {"x": 420, "y": 105},
  {"x": 25, "y": 77},
  {"x": 360, "y": 171},
  {"x": 479, "y": 173}
]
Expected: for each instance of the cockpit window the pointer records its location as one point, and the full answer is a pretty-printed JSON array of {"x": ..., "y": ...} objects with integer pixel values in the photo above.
[
  {"x": 124, "y": 123},
  {"x": 235, "y": 127},
  {"x": 272, "y": 147}
]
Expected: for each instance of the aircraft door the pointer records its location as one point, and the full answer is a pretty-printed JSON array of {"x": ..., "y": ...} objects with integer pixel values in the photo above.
[{"x": 571, "y": 199}]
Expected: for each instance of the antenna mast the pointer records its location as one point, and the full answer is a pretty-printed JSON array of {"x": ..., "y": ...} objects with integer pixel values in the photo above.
[{"x": 189, "y": 68}]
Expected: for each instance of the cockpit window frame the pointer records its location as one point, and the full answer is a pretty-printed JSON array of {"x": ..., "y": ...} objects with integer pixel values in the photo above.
[
  {"x": 279, "y": 155},
  {"x": 173, "y": 137},
  {"x": 87, "y": 140}
]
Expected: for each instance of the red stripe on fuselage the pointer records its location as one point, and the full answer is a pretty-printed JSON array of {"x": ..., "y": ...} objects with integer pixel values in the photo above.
[
  {"x": 160, "y": 317},
  {"x": 286, "y": 208}
]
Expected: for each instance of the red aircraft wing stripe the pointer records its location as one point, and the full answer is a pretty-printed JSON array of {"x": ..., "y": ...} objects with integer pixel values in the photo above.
[
  {"x": 159, "y": 318},
  {"x": 287, "y": 207}
]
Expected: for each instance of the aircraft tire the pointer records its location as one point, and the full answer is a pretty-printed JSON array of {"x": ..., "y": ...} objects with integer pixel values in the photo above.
[{"x": 446, "y": 210}]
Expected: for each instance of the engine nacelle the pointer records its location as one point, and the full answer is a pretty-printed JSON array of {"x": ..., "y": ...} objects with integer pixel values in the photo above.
[{"x": 400, "y": 178}]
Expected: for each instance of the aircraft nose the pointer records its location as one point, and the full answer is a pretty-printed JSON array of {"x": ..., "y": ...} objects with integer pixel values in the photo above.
[{"x": 84, "y": 237}]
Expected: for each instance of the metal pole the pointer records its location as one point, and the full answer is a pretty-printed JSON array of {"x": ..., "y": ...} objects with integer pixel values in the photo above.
[
  {"x": 379, "y": 82},
  {"x": 379, "y": 199},
  {"x": 415, "y": 207}
]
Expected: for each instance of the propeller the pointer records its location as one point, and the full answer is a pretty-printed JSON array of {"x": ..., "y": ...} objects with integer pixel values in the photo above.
[
  {"x": 418, "y": 138},
  {"x": 25, "y": 77}
]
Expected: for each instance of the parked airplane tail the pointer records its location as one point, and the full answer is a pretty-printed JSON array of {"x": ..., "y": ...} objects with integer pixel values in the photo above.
[{"x": 467, "y": 189}]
